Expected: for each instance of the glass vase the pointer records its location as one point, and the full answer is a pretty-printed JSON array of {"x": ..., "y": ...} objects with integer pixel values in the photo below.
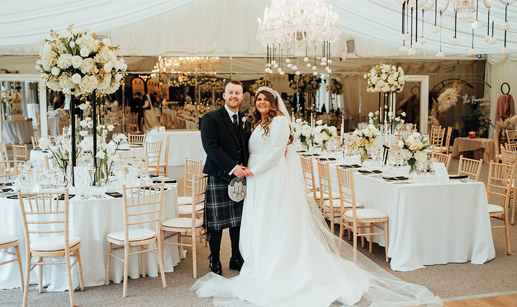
[{"x": 364, "y": 156}]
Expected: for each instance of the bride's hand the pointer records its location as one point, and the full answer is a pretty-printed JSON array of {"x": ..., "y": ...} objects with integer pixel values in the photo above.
[{"x": 248, "y": 171}]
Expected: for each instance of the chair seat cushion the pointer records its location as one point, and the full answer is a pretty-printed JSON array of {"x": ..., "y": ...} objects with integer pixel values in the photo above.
[
  {"x": 336, "y": 203},
  {"x": 4, "y": 239},
  {"x": 187, "y": 209},
  {"x": 135, "y": 234},
  {"x": 53, "y": 243},
  {"x": 182, "y": 222},
  {"x": 368, "y": 213},
  {"x": 494, "y": 208},
  {"x": 325, "y": 196},
  {"x": 184, "y": 200}
]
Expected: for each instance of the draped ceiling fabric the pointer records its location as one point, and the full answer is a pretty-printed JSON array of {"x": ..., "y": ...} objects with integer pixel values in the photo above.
[{"x": 145, "y": 30}]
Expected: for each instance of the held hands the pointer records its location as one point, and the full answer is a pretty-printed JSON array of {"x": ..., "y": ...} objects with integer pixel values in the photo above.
[{"x": 241, "y": 171}]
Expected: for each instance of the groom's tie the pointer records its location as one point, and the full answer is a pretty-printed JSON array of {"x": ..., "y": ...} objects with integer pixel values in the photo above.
[{"x": 235, "y": 123}]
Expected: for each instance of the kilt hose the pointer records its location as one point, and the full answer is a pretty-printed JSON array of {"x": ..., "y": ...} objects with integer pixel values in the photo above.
[{"x": 220, "y": 211}]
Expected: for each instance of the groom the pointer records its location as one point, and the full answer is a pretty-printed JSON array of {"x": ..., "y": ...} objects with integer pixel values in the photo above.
[{"x": 224, "y": 133}]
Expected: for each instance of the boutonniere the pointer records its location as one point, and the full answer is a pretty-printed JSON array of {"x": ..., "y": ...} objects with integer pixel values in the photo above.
[{"x": 243, "y": 122}]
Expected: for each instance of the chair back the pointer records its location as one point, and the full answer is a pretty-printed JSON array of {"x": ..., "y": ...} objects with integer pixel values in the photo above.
[
  {"x": 308, "y": 175},
  {"x": 8, "y": 170},
  {"x": 445, "y": 159},
  {"x": 447, "y": 141},
  {"x": 511, "y": 147},
  {"x": 45, "y": 213},
  {"x": 345, "y": 179},
  {"x": 511, "y": 136},
  {"x": 166, "y": 156},
  {"x": 434, "y": 127},
  {"x": 404, "y": 134},
  {"x": 3, "y": 151},
  {"x": 143, "y": 205},
  {"x": 324, "y": 181},
  {"x": 508, "y": 157},
  {"x": 470, "y": 167},
  {"x": 35, "y": 142},
  {"x": 192, "y": 168},
  {"x": 153, "y": 150},
  {"x": 436, "y": 140},
  {"x": 198, "y": 194},
  {"x": 500, "y": 178},
  {"x": 20, "y": 152},
  {"x": 136, "y": 139}
]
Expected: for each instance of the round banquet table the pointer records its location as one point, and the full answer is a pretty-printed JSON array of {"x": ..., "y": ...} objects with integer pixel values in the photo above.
[
  {"x": 183, "y": 144},
  {"x": 17, "y": 132},
  {"x": 91, "y": 220},
  {"x": 39, "y": 155}
]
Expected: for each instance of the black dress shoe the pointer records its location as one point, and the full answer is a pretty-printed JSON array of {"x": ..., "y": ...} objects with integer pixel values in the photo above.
[
  {"x": 236, "y": 263},
  {"x": 215, "y": 266}
]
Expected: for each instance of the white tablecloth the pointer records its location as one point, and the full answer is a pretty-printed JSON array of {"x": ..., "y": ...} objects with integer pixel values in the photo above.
[
  {"x": 91, "y": 220},
  {"x": 40, "y": 155},
  {"x": 53, "y": 126},
  {"x": 32, "y": 108},
  {"x": 381, "y": 139},
  {"x": 17, "y": 132},
  {"x": 429, "y": 223},
  {"x": 183, "y": 144}
]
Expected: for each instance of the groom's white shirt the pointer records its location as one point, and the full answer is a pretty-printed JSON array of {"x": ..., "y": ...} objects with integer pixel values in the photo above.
[{"x": 231, "y": 113}]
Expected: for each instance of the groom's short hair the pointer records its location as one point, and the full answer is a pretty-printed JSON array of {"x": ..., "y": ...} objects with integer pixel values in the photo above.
[{"x": 236, "y": 82}]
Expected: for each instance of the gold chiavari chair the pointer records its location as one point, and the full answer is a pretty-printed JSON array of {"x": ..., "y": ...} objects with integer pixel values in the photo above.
[
  {"x": 511, "y": 136},
  {"x": 190, "y": 223},
  {"x": 6, "y": 242},
  {"x": 436, "y": 141},
  {"x": 470, "y": 167},
  {"x": 3, "y": 151},
  {"x": 310, "y": 181},
  {"x": 445, "y": 159},
  {"x": 35, "y": 142},
  {"x": 20, "y": 152},
  {"x": 329, "y": 201},
  {"x": 153, "y": 151},
  {"x": 8, "y": 170},
  {"x": 193, "y": 168},
  {"x": 354, "y": 218},
  {"x": 510, "y": 157},
  {"x": 165, "y": 164},
  {"x": 134, "y": 235},
  {"x": 136, "y": 139},
  {"x": 500, "y": 179},
  {"x": 47, "y": 213},
  {"x": 510, "y": 147},
  {"x": 404, "y": 134}
]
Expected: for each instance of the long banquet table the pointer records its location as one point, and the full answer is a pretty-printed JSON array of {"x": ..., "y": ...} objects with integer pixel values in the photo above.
[
  {"x": 183, "y": 144},
  {"x": 429, "y": 223},
  {"x": 91, "y": 220}
]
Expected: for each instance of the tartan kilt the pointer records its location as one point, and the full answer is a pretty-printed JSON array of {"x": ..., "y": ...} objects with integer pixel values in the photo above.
[{"x": 220, "y": 211}]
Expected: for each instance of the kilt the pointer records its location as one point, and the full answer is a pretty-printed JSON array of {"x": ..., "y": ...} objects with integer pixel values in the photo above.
[{"x": 220, "y": 211}]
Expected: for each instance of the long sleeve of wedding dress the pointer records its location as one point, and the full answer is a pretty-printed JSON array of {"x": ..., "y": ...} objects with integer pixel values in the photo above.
[{"x": 279, "y": 136}]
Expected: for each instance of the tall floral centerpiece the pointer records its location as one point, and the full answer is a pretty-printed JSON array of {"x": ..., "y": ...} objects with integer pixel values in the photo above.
[
  {"x": 302, "y": 132},
  {"x": 76, "y": 63},
  {"x": 260, "y": 83},
  {"x": 365, "y": 140},
  {"x": 413, "y": 149},
  {"x": 373, "y": 118},
  {"x": 387, "y": 79},
  {"x": 189, "y": 110},
  {"x": 324, "y": 135}
]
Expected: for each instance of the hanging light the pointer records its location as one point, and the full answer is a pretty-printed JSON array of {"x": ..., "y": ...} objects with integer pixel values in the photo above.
[
  {"x": 298, "y": 25},
  {"x": 466, "y": 11}
]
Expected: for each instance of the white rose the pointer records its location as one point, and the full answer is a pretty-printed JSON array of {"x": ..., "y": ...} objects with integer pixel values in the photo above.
[
  {"x": 403, "y": 114},
  {"x": 84, "y": 52},
  {"x": 83, "y": 133},
  {"x": 106, "y": 42},
  {"x": 55, "y": 71},
  {"x": 108, "y": 67},
  {"x": 111, "y": 127},
  {"x": 319, "y": 122},
  {"x": 77, "y": 61},
  {"x": 118, "y": 77},
  {"x": 370, "y": 114},
  {"x": 44, "y": 143},
  {"x": 76, "y": 78}
]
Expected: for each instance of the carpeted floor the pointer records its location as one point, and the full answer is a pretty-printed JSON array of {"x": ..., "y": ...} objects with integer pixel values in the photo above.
[{"x": 448, "y": 281}]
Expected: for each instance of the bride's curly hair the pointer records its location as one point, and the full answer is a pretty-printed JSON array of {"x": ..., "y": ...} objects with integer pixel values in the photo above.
[{"x": 273, "y": 112}]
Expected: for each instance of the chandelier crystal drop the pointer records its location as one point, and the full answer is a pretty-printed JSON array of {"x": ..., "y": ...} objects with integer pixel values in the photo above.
[
  {"x": 190, "y": 65},
  {"x": 298, "y": 28}
]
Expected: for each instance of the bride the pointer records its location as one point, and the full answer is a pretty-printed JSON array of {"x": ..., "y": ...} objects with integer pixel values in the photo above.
[{"x": 290, "y": 256}]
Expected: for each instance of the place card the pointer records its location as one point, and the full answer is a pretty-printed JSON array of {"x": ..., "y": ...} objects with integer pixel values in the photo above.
[{"x": 442, "y": 176}]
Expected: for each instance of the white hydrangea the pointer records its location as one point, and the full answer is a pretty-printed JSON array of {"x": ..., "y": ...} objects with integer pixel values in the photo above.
[{"x": 64, "y": 61}]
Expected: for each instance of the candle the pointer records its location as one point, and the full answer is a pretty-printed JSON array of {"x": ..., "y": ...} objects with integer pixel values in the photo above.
[
  {"x": 293, "y": 119},
  {"x": 342, "y": 126},
  {"x": 312, "y": 121}
]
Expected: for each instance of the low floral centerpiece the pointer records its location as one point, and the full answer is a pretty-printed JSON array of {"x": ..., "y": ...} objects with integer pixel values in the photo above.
[
  {"x": 385, "y": 78},
  {"x": 302, "y": 132},
  {"x": 324, "y": 135},
  {"x": 365, "y": 141},
  {"x": 189, "y": 110},
  {"x": 202, "y": 110},
  {"x": 413, "y": 150}
]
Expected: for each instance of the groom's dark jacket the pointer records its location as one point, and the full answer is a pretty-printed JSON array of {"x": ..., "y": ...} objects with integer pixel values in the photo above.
[{"x": 225, "y": 145}]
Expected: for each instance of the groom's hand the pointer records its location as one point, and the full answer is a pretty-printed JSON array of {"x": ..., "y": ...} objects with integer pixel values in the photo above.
[
  {"x": 248, "y": 171},
  {"x": 239, "y": 171}
]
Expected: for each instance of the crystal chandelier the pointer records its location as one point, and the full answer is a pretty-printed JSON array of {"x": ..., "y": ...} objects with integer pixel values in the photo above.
[
  {"x": 293, "y": 28},
  {"x": 187, "y": 65}
]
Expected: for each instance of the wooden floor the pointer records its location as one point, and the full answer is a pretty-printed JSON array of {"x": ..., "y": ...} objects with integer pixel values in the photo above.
[{"x": 495, "y": 301}]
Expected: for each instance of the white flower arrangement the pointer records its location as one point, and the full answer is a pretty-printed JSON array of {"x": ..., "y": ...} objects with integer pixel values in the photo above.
[
  {"x": 202, "y": 110},
  {"x": 413, "y": 149},
  {"x": 385, "y": 78},
  {"x": 335, "y": 86},
  {"x": 75, "y": 62},
  {"x": 324, "y": 135},
  {"x": 213, "y": 84},
  {"x": 7, "y": 97},
  {"x": 365, "y": 138},
  {"x": 302, "y": 131},
  {"x": 260, "y": 83},
  {"x": 373, "y": 118},
  {"x": 189, "y": 109},
  {"x": 397, "y": 121},
  {"x": 306, "y": 83}
]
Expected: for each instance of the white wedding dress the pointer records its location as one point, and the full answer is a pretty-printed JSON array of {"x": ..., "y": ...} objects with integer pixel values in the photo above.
[{"x": 290, "y": 256}]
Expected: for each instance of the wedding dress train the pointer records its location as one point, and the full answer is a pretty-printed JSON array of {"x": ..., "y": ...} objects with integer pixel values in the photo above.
[{"x": 290, "y": 256}]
